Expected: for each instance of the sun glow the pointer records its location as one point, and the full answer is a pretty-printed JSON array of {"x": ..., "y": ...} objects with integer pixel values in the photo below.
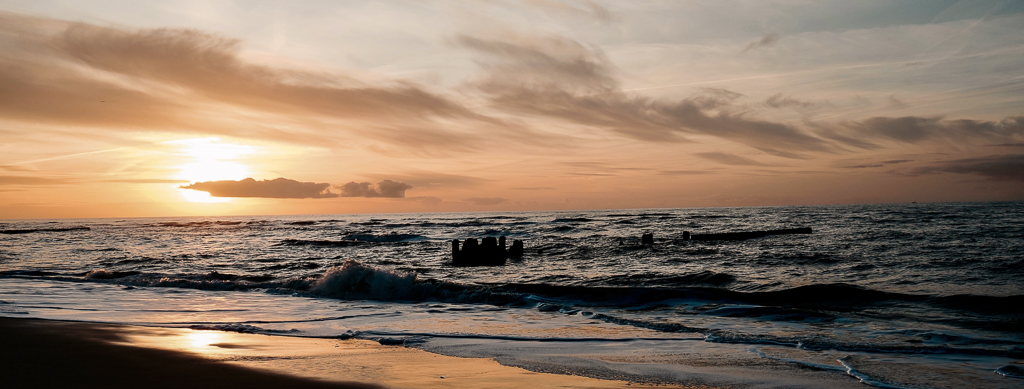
[{"x": 211, "y": 160}]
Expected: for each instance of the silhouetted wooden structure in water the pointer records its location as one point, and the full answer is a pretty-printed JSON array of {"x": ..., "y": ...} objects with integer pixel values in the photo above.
[
  {"x": 647, "y": 238},
  {"x": 490, "y": 252}
]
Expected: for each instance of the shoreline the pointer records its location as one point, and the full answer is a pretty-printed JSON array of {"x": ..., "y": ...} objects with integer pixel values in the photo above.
[{"x": 57, "y": 354}]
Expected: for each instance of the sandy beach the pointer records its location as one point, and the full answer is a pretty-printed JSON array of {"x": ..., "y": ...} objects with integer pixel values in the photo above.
[{"x": 56, "y": 354}]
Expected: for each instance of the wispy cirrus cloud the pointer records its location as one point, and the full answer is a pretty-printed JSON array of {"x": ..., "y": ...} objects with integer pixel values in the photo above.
[
  {"x": 779, "y": 101},
  {"x": 766, "y": 41},
  {"x": 729, "y": 159},
  {"x": 585, "y": 8},
  {"x": 562, "y": 79},
  {"x": 26, "y": 180},
  {"x": 78, "y": 74},
  {"x": 430, "y": 179}
]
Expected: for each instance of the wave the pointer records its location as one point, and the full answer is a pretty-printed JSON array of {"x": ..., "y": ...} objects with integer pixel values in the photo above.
[
  {"x": 393, "y": 237},
  {"x": 655, "y": 279},
  {"x": 1011, "y": 371},
  {"x": 200, "y": 223},
  {"x": 354, "y": 280},
  {"x": 357, "y": 239},
  {"x": 371, "y": 222},
  {"x": 321, "y": 243},
  {"x": 103, "y": 274},
  {"x": 572, "y": 220},
  {"x": 241, "y": 328},
  {"x": 33, "y": 230}
]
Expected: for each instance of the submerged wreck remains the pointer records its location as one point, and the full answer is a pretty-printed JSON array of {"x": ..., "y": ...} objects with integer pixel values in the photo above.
[{"x": 490, "y": 252}]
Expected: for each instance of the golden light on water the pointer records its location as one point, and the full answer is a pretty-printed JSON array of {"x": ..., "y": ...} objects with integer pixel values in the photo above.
[{"x": 210, "y": 159}]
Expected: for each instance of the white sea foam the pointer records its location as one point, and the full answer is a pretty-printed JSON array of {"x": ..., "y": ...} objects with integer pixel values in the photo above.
[{"x": 356, "y": 280}]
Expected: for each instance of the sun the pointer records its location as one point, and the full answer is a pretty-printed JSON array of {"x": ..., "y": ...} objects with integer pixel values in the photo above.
[{"x": 210, "y": 159}]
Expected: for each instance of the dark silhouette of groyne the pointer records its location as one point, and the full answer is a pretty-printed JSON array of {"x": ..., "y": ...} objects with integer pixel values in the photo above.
[{"x": 489, "y": 252}]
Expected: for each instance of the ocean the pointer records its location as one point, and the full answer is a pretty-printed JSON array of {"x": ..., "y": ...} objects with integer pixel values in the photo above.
[{"x": 888, "y": 295}]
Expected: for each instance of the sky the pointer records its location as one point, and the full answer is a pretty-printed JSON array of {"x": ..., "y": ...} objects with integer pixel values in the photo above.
[{"x": 113, "y": 108}]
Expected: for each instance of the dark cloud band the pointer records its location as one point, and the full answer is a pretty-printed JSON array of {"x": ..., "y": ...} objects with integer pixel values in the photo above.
[
  {"x": 386, "y": 188},
  {"x": 278, "y": 188}
]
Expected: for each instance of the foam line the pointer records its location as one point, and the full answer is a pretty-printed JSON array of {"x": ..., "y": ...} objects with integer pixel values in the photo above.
[{"x": 864, "y": 378}]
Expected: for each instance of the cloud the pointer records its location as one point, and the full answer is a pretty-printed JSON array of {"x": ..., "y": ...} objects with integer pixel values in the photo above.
[
  {"x": 209, "y": 65},
  {"x": 729, "y": 159},
  {"x": 766, "y": 41},
  {"x": 15, "y": 168},
  {"x": 386, "y": 188},
  {"x": 598, "y": 169},
  {"x": 1007, "y": 167},
  {"x": 877, "y": 164},
  {"x": 600, "y": 166},
  {"x": 149, "y": 181},
  {"x": 585, "y": 8},
  {"x": 65, "y": 73},
  {"x": 547, "y": 62},
  {"x": 893, "y": 103},
  {"x": 20, "y": 180},
  {"x": 779, "y": 101},
  {"x": 484, "y": 201},
  {"x": 428, "y": 179},
  {"x": 917, "y": 130},
  {"x": 278, "y": 188},
  {"x": 562, "y": 79},
  {"x": 683, "y": 172}
]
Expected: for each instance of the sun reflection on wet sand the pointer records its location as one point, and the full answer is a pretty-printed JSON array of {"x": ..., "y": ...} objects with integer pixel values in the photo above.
[
  {"x": 202, "y": 339},
  {"x": 353, "y": 360},
  {"x": 208, "y": 343}
]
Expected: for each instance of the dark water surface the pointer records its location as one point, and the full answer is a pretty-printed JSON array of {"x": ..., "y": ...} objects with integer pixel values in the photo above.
[{"x": 888, "y": 295}]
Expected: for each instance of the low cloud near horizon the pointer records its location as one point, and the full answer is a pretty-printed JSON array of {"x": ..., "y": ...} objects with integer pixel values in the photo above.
[
  {"x": 278, "y": 188},
  {"x": 385, "y": 188}
]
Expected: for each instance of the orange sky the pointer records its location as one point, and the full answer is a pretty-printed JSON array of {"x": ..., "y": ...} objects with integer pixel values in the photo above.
[{"x": 121, "y": 109}]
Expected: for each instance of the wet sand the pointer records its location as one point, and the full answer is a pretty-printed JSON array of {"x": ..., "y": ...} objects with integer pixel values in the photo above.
[{"x": 55, "y": 354}]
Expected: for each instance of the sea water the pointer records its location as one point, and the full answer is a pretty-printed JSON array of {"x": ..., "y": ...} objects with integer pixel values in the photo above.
[{"x": 896, "y": 295}]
